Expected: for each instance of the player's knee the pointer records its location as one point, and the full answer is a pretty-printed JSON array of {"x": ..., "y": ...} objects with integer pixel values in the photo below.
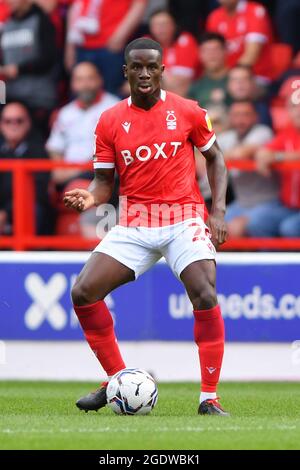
[
  {"x": 204, "y": 298},
  {"x": 81, "y": 294}
]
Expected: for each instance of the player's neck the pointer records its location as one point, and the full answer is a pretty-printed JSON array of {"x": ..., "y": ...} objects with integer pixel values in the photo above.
[{"x": 146, "y": 102}]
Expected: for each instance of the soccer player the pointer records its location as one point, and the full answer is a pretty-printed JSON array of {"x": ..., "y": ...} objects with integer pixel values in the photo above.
[{"x": 149, "y": 139}]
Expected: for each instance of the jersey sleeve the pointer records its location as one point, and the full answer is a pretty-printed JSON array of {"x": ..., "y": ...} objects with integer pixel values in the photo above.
[
  {"x": 104, "y": 153},
  {"x": 258, "y": 25},
  {"x": 202, "y": 134}
]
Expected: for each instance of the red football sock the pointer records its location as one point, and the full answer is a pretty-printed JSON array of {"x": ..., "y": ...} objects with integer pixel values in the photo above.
[
  {"x": 209, "y": 337},
  {"x": 97, "y": 324}
]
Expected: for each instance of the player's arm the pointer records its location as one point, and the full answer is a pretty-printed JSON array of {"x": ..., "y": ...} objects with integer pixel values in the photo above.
[
  {"x": 99, "y": 191},
  {"x": 217, "y": 177}
]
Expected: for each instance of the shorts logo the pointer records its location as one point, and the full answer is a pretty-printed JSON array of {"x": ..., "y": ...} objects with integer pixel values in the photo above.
[{"x": 171, "y": 120}]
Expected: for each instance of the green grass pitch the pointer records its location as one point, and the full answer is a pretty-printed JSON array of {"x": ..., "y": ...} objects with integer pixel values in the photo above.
[{"x": 42, "y": 415}]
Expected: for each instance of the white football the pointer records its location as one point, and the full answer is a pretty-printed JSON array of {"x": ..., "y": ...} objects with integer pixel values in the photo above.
[{"x": 132, "y": 392}]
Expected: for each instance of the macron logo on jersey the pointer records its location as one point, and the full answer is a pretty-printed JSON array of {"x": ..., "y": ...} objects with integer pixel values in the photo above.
[
  {"x": 126, "y": 126},
  {"x": 144, "y": 153}
]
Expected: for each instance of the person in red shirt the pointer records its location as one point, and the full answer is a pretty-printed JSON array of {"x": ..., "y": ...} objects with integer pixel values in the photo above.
[
  {"x": 180, "y": 52},
  {"x": 98, "y": 31},
  {"x": 286, "y": 147},
  {"x": 247, "y": 29},
  {"x": 149, "y": 140}
]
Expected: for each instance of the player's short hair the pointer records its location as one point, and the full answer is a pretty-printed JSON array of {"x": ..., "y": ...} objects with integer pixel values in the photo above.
[
  {"x": 212, "y": 37},
  {"x": 142, "y": 43}
]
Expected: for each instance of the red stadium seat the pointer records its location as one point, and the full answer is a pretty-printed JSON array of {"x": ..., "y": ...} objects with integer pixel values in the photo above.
[{"x": 281, "y": 56}]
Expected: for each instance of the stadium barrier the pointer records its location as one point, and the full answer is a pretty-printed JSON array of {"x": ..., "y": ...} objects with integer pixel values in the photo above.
[
  {"x": 259, "y": 297},
  {"x": 24, "y": 237},
  {"x": 40, "y": 337}
]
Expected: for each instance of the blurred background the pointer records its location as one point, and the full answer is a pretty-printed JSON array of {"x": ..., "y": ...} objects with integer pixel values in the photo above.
[{"x": 61, "y": 67}]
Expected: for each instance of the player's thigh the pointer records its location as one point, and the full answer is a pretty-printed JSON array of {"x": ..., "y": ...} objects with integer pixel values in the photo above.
[
  {"x": 191, "y": 256},
  {"x": 100, "y": 275},
  {"x": 189, "y": 242}
]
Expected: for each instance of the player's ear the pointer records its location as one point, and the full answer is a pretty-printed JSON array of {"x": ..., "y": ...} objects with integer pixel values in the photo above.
[
  {"x": 125, "y": 70},
  {"x": 162, "y": 69}
]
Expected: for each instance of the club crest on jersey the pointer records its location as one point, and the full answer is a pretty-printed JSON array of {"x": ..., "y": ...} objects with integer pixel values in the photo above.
[{"x": 171, "y": 120}]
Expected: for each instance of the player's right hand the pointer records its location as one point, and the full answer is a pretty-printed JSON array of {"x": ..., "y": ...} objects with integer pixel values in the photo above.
[{"x": 79, "y": 199}]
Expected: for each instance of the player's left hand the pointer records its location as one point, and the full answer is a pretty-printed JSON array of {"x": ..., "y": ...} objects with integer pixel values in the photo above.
[{"x": 218, "y": 229}]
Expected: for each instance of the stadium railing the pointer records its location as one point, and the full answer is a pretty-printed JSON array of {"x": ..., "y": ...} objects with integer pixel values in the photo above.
[{"x": 24, "y": 237}]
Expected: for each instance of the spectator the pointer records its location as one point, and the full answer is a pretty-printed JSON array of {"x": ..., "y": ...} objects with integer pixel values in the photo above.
[
  {"x": 98, "y": 32},
  {"x": 180, "y": 52},
  {"x": 28, "y": 55},
  {"x": 287, "y": 21},
  {"x": 256, "y": 208},
  {"x": 286, "y": 147},
  {"x": 18, "y": 140},
  {"x": 210, "y": 89},
  {"x": 72, "y": 136},
  {"x": 242, "y": 86},
  {"x": 247, "y": 29}
]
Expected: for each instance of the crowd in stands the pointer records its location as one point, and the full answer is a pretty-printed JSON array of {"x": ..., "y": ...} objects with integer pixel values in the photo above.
[{"x": 61, "y": 62}]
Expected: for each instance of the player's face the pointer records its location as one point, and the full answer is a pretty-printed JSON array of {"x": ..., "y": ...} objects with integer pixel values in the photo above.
[{"x": 144, "y": 71}]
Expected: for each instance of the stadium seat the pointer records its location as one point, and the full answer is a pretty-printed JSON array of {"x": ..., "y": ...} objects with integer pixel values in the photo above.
[{"x": 281, "y": 56}]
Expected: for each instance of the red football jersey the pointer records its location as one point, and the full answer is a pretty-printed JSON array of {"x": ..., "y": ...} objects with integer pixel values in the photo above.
[
  {"x": 288, "y": 140},
  {"x": 182, "y": 58},
  {"x": 250, "y": 23},
  {"x": 153, "y": 153}
]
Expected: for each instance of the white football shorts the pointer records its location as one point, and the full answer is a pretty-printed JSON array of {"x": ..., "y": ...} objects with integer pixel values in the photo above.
[{"x": 139, "y": 248}]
